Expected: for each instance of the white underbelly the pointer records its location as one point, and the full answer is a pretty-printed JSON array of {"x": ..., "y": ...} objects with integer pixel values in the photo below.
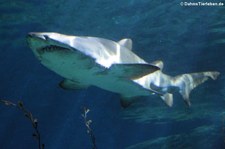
[{"x": 88, "y": 72}]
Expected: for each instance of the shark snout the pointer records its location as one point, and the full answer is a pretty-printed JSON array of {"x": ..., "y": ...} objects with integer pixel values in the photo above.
[
  {"x": 37, "y": 35},
  {"x": 30, "y": 35},
  {"x": 36, "y": 41}
]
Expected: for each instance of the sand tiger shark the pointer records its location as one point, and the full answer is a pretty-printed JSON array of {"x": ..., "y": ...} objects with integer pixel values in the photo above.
[{"x": 113, "y": 66}]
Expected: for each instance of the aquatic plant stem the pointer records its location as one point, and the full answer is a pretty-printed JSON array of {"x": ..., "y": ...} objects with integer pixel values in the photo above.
[
  {"x": 89, "y": 130},
  {"x": 28, "y": 115}
]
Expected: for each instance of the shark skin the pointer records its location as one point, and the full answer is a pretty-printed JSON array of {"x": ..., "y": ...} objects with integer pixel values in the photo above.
[
  {"x": 184, "y": 83},
  {"x": 110, "y": 65},
  {"x": 91, "y": 61}
]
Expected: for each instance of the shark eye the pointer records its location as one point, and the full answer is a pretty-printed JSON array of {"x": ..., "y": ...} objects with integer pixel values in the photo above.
[{"x": 46, "y": 37}]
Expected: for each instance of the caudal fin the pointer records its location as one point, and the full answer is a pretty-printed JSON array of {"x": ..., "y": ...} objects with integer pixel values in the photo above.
[{"x": 187, "y": 82}]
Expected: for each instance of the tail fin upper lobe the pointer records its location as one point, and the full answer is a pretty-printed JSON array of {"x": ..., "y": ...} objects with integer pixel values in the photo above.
[{"x": 187, "y": 82}]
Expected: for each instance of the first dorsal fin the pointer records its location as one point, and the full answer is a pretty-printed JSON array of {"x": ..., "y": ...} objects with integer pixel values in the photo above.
[
  {"x": 158, "y": 63},
  {"x": 131, "y": 71},
  {"x": 126, "y": 43}
]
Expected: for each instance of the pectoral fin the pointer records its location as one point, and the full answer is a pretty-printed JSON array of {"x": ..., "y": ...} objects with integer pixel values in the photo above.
[
  {"x": 72, "y": 85},
  {"x": 131, "y": 71}
]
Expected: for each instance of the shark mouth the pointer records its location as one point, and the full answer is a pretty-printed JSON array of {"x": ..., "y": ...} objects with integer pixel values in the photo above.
[{"x": 52, "y": 48}]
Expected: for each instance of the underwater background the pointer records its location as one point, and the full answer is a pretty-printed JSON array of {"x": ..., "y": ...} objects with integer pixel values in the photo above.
[{"x": 187, "y": 39}]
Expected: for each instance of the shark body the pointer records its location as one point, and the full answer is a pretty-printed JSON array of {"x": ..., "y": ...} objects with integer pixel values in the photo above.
[{"x": 110, "y": 65}]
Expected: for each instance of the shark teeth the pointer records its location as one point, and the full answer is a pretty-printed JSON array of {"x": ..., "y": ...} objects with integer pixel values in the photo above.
[{"x": 52, "y": 48}]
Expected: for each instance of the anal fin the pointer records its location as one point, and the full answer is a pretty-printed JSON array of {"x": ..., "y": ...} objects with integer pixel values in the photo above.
[
  {"x": 168, "y": 99},
  {"x": 72, "y": 85},
  {"x": 125, "y": 102}
]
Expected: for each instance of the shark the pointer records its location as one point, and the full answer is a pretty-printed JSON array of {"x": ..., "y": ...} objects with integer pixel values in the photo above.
[{"x": 85, "y": 61}]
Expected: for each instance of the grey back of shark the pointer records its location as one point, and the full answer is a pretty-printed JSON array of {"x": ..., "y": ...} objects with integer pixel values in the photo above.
[{"x": 86, "y": 61}]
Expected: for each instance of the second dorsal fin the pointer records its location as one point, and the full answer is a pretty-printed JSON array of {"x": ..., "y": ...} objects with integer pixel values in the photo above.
[{"x": 158, "y": 63}]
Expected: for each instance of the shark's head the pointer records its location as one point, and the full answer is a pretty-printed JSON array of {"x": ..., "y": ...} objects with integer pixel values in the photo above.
[
  {"x": 61, "y": 53},
  {"x": 49, "y": 47},
  {"x": 48, "y": 43},
  {"x": 55, "y": 51}
]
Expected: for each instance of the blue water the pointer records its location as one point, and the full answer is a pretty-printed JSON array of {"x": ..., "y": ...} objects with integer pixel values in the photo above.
[{"x": 187, "y": 39}]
